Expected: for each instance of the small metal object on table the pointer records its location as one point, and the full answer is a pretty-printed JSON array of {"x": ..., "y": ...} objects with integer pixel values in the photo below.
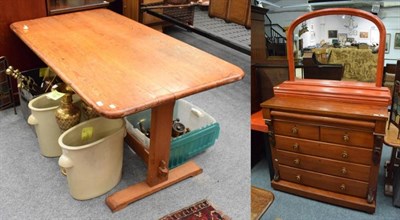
[{"x": 116, "y": 76}]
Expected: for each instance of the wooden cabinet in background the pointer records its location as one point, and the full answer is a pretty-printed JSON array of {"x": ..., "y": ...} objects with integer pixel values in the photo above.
[
  {"x": 218, "y": 8},
  {"x": 6, "y": 94},
  {"x": 17, "y": 53},
  {"x": 64, "y": 6},
  {"x": 11, "y": 46},
  {"x": 238, "y": 11},
  {"x": 131, "y": 9}
]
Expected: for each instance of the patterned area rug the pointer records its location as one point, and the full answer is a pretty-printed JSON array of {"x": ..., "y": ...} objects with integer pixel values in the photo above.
[{"x": 202, "y": 210}]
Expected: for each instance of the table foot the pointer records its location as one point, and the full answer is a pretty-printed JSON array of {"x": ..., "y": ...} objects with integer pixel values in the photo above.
[{"x": 121, "y": 199}]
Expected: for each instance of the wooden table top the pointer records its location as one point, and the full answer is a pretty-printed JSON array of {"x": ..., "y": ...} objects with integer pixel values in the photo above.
[{"x": 119, "y": 66}]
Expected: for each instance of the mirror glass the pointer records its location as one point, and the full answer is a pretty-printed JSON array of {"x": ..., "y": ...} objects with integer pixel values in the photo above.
[{"x": 336, "y": 47}]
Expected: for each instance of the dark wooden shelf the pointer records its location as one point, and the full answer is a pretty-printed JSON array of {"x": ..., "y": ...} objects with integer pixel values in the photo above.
[
  {"x": 6, "y": 93},
  {"x": 64, "y": 6}
]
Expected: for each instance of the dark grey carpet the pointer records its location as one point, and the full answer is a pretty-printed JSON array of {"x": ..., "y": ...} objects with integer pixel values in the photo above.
[
  {"x": 31, "y": 186},
  {"x": 287, "y": 206}
]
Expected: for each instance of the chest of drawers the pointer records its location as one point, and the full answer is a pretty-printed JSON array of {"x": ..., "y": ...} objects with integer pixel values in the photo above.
[{"x": 326, "y": 150}]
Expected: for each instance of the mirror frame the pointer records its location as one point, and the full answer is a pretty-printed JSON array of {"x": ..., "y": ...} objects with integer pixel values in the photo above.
[{"x": 338, "y": 11}]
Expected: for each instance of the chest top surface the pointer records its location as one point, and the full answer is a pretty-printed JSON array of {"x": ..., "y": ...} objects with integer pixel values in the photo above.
[
  {"x": 327, "y": 107},
  {"x": 119, "y": 66}
]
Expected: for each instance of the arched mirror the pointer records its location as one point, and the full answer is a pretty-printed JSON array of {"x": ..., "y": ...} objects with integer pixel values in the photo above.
[{"x": 340, "y": 44}]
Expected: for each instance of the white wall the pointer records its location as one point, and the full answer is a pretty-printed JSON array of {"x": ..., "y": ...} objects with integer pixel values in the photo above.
[
  {"x": 389, "y": 16},
  {"x": 319, "y": 27},
  {"x": 391, "y": 19}
]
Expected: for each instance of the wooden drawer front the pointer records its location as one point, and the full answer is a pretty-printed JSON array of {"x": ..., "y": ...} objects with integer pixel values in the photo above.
[
  {"x": 327, "y": 150},
  {"x": 347, "y": 137},
  {"x": 296, "y": 130},
  {"x": 322, "y": 165},
  {"x": 323, "y": 181}
]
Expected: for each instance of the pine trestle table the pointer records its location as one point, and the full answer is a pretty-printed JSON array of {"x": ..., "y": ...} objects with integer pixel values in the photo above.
[{"x": 120, "y": 67}]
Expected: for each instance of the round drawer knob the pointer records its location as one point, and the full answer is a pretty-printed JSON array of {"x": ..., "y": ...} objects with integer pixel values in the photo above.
[
  {"x": 345, "y": 155},
  {"x": 346, "y": 138},
  {"x": 342, "y": 187},
  {"x": 296, "y": 146},
  {"x": 296, "y": 161},
  {"x": 344, "y": 170},
  {"x": 298, "y": 178},
  {"x": 295, "y": 130}
]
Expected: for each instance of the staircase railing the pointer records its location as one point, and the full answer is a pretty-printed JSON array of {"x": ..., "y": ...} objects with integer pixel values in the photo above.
[{"x": 276, "y": 42}]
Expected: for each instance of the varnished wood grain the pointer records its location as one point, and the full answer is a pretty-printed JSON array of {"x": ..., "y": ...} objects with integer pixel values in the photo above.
[
  {"x": 258, "y": 44},
  {"x": 329, "y": 121},
  {"x": 324, "y": 165},
  {"x": 326, "y": 150},
  {"x": 258, "y": 123},
  {"x": 218, "y": 8},
  {"x": 316, "y": 176},
  {"x": 353, "y": 92},
  {"x": 327, "y": 108},
  {"x": 18, "y": 54},
  {"x": 238, "y": 11},
  {"x": 303, "y": 130},
  {"x": 325, "y": 195},
  {"x": 119, "y": 66},
  {"x": 160, "y": 143},
  {"x": 355, "y": 138},
  {"x": 121, "y": 199}
]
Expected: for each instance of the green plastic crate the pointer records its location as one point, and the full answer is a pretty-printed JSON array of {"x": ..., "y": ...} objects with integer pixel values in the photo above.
[{"x": 204, "y": 131}]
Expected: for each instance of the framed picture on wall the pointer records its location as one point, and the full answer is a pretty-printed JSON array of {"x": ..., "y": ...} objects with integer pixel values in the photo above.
[
  {"x": 387, "y": 45},
  {"x": 397, "y": 41},
  {"x": 342, "y": 37},
  {"x": 332, "y": 34},
  {"x": 363, "y": 34},
  {"x": 350, "y": 39}
]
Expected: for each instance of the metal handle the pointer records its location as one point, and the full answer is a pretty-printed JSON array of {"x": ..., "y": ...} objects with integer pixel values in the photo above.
[
  {"x": 345, "y": 155},
  {"x": 298, "y": 178},
  {"x": 296, "y": 161},
  {"x": 344, "y": 170},
  {"x": 296, "y": 146},
  {"x": 346, "y": 137},
  {"x": 295, "y": 130},
  {"x": 342, "y": 187}
]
